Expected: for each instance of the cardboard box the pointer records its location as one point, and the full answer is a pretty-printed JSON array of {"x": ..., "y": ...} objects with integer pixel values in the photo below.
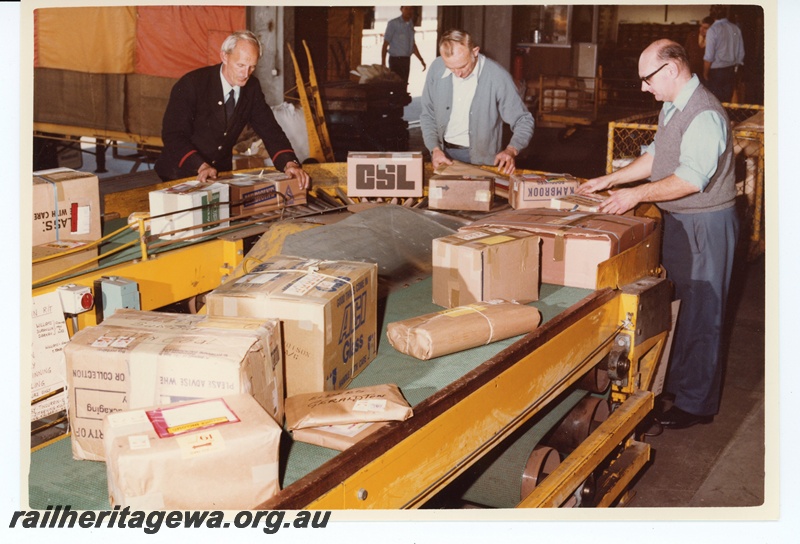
[
  {"x": 485, "y": 264},
  {"x": 379, "y": 173},
  {"x": 449, "y": 192},
  {"x": 244, "y": 162},
  {"x": 177, "y": 204},
  {"x": 337, "y": 437},
  {"x": 66, "y": 206},
  {"x": 464, "y": 327},
  {"x": 537, "y": 190},
  {"x": 574, "y": 243},
  {"x": 258, "y": 193},
  {"x": 59, "y": 264},
  {"x": 135, "y": 359},
  {"x": 219, "y": 454},
  {"x": 48, "y": 374},
  {"x": 328, "y": 311},
  {"x": 578, "y": 203}
]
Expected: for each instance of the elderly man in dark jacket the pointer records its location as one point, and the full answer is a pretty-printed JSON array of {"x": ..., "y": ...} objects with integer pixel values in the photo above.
[{"x": 208, "y": 109}]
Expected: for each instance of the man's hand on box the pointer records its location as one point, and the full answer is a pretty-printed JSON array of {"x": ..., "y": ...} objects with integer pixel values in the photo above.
[
  {"x": 620, "y": 201},
  {"x": 297, "y": 172},
  {"x": 438, "y": 158},
  {"x": 206, "y": 172}
]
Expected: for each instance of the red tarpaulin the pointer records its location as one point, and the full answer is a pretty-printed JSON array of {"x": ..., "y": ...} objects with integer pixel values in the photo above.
[{"x": 173, "y": 40}]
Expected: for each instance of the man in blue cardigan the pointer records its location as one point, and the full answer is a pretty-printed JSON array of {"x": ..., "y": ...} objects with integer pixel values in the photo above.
[
  {"x": 466, "y": 99},
  {"x": 199, "y": 131}
]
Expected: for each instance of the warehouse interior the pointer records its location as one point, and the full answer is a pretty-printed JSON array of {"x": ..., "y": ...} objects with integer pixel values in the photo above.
[{"x": 575, "y": 68}]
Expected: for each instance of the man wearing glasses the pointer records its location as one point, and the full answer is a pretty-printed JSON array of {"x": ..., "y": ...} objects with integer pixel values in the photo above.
[{"x": 691, "y": 171}]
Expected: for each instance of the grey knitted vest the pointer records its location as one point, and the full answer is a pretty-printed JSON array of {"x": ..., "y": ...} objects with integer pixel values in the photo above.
[{"x": 721, "y": 189}]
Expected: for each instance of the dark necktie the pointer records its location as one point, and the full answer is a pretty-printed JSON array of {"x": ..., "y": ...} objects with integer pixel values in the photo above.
[{"x": 230, "y": 104}]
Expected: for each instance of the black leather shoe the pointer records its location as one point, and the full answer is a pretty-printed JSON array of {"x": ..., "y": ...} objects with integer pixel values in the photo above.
[{"x": 675, "y": 418}]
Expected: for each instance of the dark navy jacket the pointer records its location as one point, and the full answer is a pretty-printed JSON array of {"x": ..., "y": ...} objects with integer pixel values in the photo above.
[{"x": 194, "y": 129}]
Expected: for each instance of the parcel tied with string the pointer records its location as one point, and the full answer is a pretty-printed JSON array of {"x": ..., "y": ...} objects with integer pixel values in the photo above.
[
  {"x": 328, "y": 312},
  {"x": 464, "y": 327}
]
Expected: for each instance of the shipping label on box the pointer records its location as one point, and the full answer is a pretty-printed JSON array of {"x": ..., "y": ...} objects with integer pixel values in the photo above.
[
  {"x": 66, "y": 206},
  {"x": 389, "y": 174},
  {"x": 328, "y": 310},
  {"x": 135, "y": 359},
  {"x": 226, "y": 447},
  {"x": 574, "y": 243},
  {"x": 537, "y": 190},
  {"x": 258, "y": 193},
  {"x": 85, "y": 257},
  {"x": 485, "y": 264},
  {"x": 453, "y": 192},
  {"x": 186, "y": 205}
]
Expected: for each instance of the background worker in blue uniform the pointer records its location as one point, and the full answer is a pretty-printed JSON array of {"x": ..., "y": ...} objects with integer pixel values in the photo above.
[
  {"x": 724, "y": 54},
  {"x": 398, "y": 41},
  {"x": 691, "y": 168}
]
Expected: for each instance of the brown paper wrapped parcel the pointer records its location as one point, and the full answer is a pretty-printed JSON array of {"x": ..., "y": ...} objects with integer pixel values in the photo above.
[
  {"x": 337, "y": 437},
  {"x": 219, "y": 453},
  {"x": 463, "y": 327},
  {"x": 382, "y": 402}
]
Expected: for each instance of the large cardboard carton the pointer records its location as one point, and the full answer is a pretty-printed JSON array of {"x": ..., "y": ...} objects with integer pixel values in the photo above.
[
  {"x": 485, "y": 264},
  {"x": 537, "y": 190},
  {"x": 84, "y": 256},
  {"x": 258, "y": 193},
  {"x": 389, "y": 174},
  {"x": 469, "y": 193},
  {"x": 186, "y": 205},
  {"x": 574, "y": 243},
  {"x": 135, "y": 359},
  {"x": 327, "y": 309},
  {"x": 464, "y": 327},
  {"x": 219, "y": 454},
  {"x": 66, "y": 206}
]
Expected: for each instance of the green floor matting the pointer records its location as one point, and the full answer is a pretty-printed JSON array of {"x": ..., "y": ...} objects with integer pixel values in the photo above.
[{"x": 55, "y": 478}]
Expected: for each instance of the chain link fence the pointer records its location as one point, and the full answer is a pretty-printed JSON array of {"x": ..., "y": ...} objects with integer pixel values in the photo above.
[{"x": 628, "y": 137}]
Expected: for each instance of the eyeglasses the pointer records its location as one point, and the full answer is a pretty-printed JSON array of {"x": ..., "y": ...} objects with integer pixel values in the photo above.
[{"x": 646, "y": 79}]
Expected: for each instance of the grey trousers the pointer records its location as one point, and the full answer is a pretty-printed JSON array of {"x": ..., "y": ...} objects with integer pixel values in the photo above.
[{"x": 698, "y": 253}]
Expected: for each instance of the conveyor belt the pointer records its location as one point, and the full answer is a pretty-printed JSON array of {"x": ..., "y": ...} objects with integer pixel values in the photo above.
[{"x": 55, "y": 478}]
